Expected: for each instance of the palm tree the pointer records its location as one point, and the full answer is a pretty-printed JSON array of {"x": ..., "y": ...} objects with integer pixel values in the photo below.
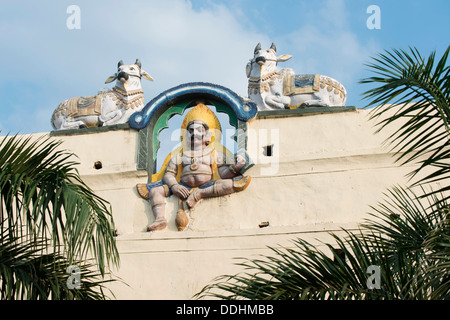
[
  {"x": 405, "y": 242},
  {"x": 50, "y": 220},
  {"x": 417, "y": 91}
]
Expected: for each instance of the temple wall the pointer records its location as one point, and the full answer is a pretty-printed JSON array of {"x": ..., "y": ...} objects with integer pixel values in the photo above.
[{"x": 324, "y": 172}]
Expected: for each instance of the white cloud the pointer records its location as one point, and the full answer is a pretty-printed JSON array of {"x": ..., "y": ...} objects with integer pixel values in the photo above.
[
  {"x": 175, "y": 43},
  {"x": 315, "y": 51},
  {"x": 206, "y": 45},
  {"x": 325, "y": 44}
]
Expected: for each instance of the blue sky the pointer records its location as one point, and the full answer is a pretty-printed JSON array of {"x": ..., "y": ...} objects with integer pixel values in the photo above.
[{"x": 177, "y": 41}]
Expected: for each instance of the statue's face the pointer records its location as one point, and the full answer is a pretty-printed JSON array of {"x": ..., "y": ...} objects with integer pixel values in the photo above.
[{"x": 196, "y": 135}]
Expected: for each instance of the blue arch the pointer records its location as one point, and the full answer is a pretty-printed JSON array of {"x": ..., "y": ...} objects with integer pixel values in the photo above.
[{"x": 243, "y": 108}]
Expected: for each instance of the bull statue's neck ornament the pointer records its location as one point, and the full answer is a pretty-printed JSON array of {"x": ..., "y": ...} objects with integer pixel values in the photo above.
[
  {"x": 271, "y": 88},
  {"x": 106, "y": 108},
  {"x": 200, "y": 168}
]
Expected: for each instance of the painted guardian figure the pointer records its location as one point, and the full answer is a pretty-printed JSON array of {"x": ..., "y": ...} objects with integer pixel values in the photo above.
[{"x": 200, "y": 168}]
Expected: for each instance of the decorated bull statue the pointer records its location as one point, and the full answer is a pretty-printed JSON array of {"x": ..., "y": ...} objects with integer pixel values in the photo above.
[
  {"x": 108, "y": 107},
  {"x": 273, "y": 89}
]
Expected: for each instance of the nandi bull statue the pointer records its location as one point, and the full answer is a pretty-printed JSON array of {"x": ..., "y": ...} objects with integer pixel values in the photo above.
[
  {"x": 108, "y": 107},
  {"x": 273, "y": 89}
]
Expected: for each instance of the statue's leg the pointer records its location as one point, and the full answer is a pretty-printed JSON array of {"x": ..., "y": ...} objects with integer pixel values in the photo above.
[
  {"x": 111, "y": 118},
  {"x": 277, "y": 102},
  {"x": 318, "y": 101},
  {"x": 111, "y": 113},
  {"x": 220, "y": 188},
  {"x": 315, "y": 103},
  {"x": 71, "y": 123},
  {"x": 158, "y": 202}
]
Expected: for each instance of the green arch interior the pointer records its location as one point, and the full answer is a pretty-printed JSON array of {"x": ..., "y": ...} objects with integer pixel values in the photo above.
[{"x": 179, "y": 108}]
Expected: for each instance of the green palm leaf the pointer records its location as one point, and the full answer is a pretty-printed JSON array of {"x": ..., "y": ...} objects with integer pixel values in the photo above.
[
  {"x": 28, "y": 272},
  {"x": 408, "y": 235},
  {"x": 414, "y": 93},
  {"x": 42, "y": 197},
  {"x": 401, "y": 240}
]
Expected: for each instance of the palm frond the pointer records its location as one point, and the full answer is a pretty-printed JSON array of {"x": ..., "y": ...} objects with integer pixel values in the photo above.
[
  {"x": 414, "y": 92},
  {"x": 43, "y": 197},
  {"x": 400, "y": 240},
  {"x": 28, "y": 272},
  {"x": 408, "y": 237}
]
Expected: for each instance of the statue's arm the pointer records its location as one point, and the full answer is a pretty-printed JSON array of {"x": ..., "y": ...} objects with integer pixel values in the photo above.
[
  {"x": 232, "y": 170},
  {"x": 170, "y": 176},
  {"x": 170, "y": 179}
]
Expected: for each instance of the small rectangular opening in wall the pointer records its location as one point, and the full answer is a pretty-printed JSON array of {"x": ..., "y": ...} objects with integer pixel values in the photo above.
[
  {"x": 268, "y": 150},
  {"x": 98, "y": 165},
  {"x": 264, "y": 224}
]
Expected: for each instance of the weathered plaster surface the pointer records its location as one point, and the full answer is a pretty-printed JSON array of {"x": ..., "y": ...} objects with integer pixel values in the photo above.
[{"x": 329, "y": 169}]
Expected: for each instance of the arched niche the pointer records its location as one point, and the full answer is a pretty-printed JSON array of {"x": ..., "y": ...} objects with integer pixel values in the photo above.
[{"x": 155, "y": 116}]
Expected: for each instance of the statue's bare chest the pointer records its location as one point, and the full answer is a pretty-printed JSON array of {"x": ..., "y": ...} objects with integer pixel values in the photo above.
[{"x": 187, "y": 160}]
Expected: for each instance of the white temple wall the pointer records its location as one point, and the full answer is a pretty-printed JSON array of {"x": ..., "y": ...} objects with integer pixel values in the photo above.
[{"x": 331, "y": 168}]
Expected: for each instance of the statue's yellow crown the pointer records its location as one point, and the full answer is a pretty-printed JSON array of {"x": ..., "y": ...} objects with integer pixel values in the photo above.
[{"x": 202, "y": 113}]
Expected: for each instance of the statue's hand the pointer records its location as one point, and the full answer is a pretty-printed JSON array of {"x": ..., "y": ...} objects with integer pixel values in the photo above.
[
  {"x": 180, "y": 191},
  {"x": 239, "y": 162}
]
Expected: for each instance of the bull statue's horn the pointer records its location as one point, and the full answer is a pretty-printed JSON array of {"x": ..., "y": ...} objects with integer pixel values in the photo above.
[
  {"x": 258, "y": 47},
  {"x": 138, "y": 63},
  {"x": 120, "y": 64},
  {"x": 273, "y": 47}
]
